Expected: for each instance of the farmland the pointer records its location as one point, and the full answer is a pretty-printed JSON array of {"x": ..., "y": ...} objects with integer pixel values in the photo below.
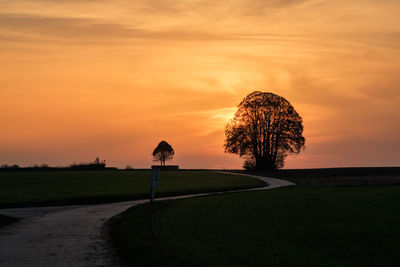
[{"x": 22, "y": 189}]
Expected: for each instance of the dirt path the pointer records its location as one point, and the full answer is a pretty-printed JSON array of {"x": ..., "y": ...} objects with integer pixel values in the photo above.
[{"x": 70, "y": 235}]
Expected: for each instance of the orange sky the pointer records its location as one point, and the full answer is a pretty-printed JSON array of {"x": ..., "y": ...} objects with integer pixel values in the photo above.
[{"x": 81, "y": 79}]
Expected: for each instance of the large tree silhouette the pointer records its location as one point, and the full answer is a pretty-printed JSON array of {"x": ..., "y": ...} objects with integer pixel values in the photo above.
[
  {"x": 163, "y": 152},
  {"x": 265, "y": 130}
]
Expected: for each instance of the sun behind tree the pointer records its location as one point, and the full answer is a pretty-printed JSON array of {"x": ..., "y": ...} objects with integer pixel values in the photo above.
[
  {"x": 163, "y": 152},
  {"x": 265, "y": 129}
]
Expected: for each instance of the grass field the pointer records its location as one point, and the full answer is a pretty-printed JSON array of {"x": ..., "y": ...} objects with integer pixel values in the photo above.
[
  {"x": 296, "y": 226},
  {"x": 80, "y": 187},
  {"x": 372, "y": 176}
]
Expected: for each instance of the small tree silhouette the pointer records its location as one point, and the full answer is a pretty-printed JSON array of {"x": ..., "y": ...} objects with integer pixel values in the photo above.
[{"x": 163, "y": 152}]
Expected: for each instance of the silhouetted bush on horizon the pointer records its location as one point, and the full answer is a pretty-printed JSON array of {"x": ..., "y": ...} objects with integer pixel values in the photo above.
[
  {"x": 5, "y": 166},
  {"x": 95, "y": 166}
]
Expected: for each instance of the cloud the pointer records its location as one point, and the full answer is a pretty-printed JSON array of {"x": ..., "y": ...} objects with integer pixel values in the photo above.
[
  {"x": 23, "y": 27},
  {"x": 64, "y": 27}
]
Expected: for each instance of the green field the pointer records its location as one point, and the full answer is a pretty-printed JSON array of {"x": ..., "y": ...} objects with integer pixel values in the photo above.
[
  {"x": 32, "y": 188},
  {"x": 296, "y": 226},
  {"x": 363, "y": 176}
]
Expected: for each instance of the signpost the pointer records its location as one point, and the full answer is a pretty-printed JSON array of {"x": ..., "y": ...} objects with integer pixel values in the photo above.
[{"x": 153, "y": 182}]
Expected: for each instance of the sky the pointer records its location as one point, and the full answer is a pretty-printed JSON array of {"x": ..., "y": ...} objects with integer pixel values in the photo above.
[{"x": 81, "y": 79}]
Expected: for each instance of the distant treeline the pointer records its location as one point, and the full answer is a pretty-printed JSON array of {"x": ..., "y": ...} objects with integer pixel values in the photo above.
[{"x": 96, "y": 165}]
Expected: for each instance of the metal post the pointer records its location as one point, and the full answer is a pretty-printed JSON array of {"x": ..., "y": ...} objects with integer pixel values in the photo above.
[
  {"x": 153, "y": 182},
  {"x": 152, "y": 195}
]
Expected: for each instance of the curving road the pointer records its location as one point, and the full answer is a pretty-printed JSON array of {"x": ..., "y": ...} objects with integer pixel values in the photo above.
[{"x": 71, "y": 235}]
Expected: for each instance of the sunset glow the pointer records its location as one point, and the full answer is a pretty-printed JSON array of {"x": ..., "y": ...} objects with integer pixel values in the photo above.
[{"x": 111, "y": 79}]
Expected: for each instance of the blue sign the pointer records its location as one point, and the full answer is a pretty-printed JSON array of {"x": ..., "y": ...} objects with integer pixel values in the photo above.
[{"x": 154, "y": 177}]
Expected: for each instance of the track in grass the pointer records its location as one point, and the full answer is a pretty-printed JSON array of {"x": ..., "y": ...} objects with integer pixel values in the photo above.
[
  {"x": 19, "y": 189},
  {"x": 283, "y": 227}
]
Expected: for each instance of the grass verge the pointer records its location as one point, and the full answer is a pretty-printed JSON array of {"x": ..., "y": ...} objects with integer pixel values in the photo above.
[
  {"x": 22, "y": 189},
  {"x": 283, "y": 227}
]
